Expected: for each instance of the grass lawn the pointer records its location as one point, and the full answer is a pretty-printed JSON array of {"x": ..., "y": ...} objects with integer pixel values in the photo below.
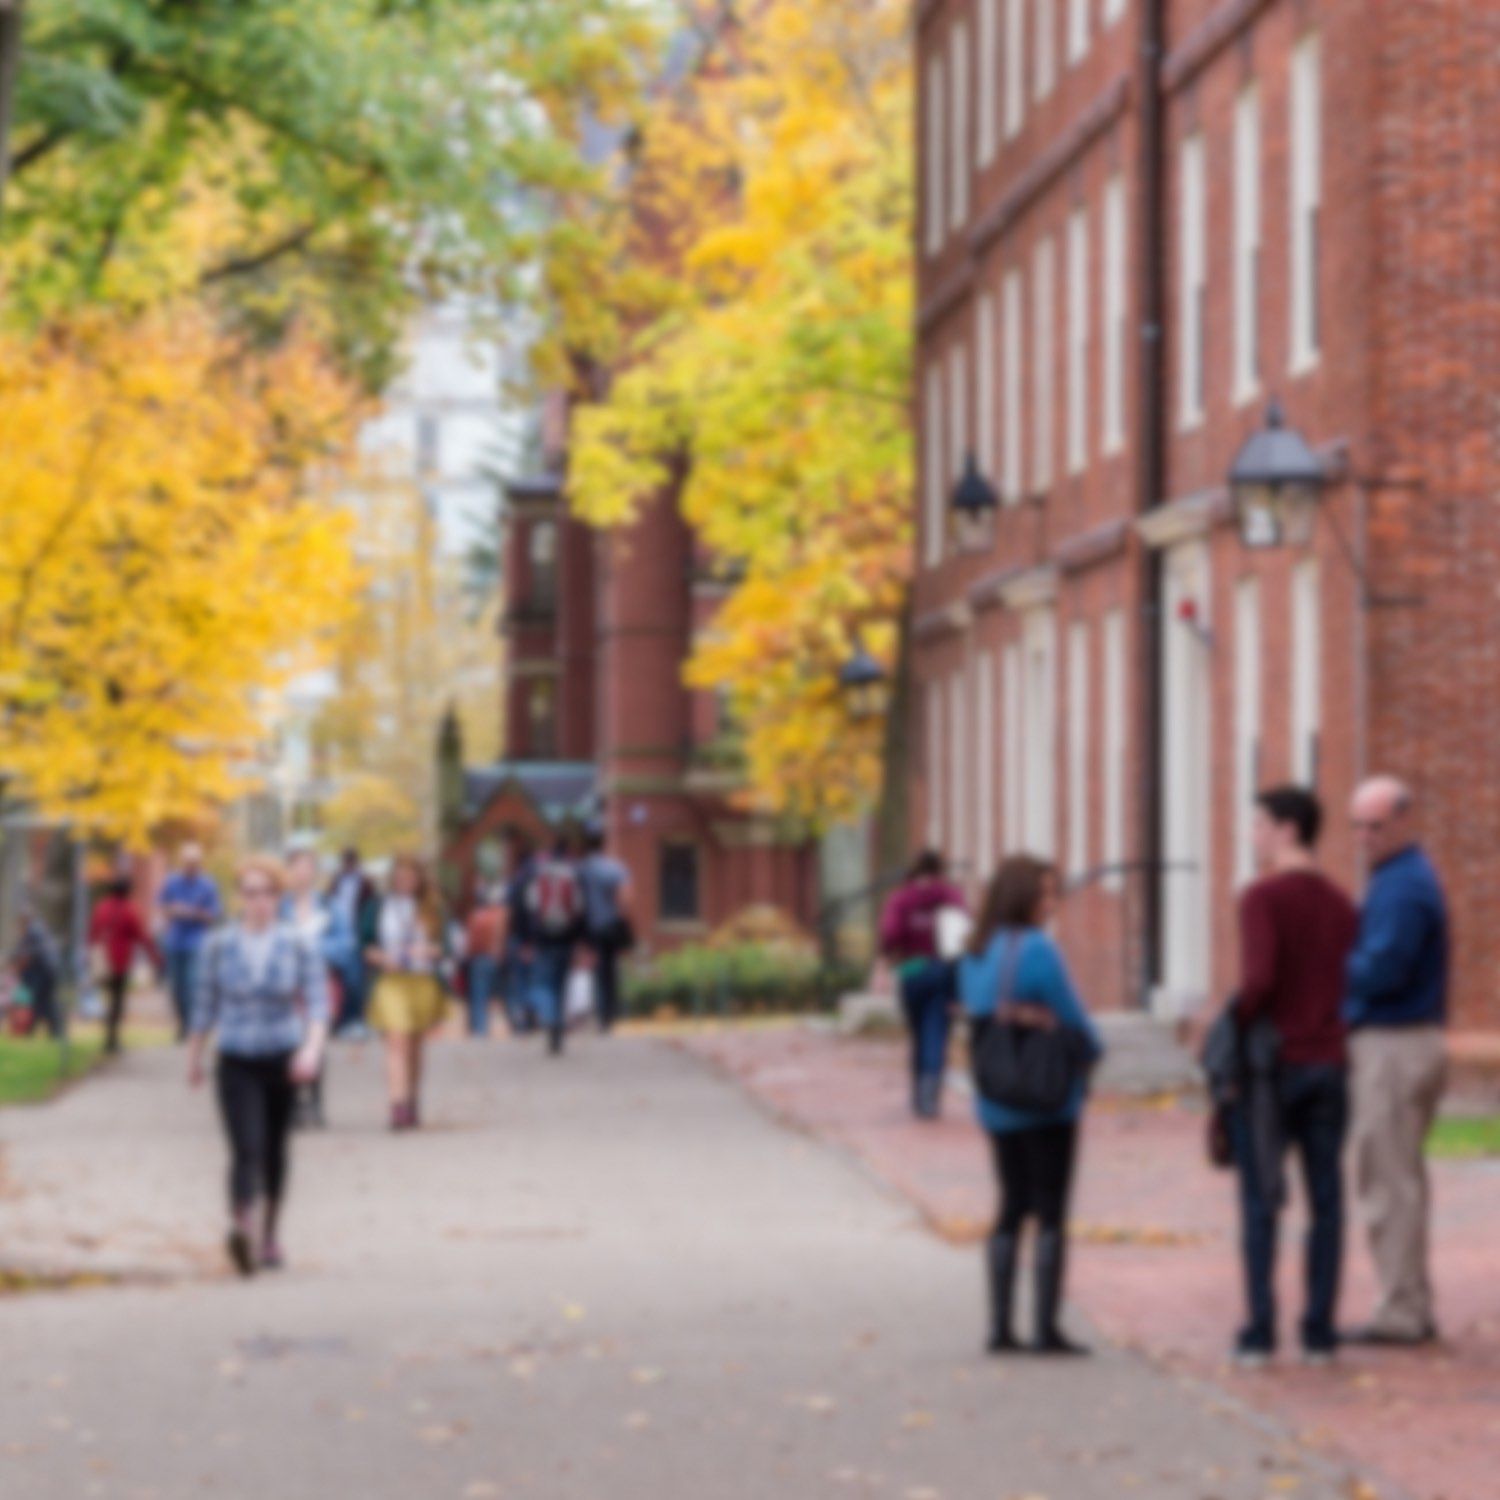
[
  {"x": 1465, "y": 1137},
  {"x": 30, "y": 1067}
]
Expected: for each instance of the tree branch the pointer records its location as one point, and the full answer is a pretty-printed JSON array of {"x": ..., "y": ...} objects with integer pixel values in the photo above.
[{"x": 245, "y": 265}]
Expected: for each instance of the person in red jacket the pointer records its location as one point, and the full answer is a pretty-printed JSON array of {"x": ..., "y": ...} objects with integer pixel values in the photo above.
[
  {"x": 929, "y": 984},
  {"x": 1296, "y": 930},
  {"x": 117, "y": 932}
]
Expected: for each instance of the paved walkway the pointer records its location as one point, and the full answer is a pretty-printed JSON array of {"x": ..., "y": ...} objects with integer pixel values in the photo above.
[
  {"x": 1156, "y": 1265},
  {"x": 607, "y": 1277}
]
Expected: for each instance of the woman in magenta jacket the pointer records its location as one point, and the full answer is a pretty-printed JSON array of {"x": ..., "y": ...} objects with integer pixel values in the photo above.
[{"x": 929, "y": 990}]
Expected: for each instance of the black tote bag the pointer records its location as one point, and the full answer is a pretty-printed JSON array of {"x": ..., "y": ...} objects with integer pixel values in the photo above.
[{"x": 1033, "y": 1069}]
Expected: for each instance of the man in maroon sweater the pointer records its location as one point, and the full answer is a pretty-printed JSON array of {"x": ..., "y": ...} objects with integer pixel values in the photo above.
[{"x": 1296, "y": 929}]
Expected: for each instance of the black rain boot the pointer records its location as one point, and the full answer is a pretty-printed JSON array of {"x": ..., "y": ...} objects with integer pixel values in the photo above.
[
  {"x": 929, "y": 1095},
  {"x": 1001, "y": 1255},
  {"x": 1051, "y": 1258}
]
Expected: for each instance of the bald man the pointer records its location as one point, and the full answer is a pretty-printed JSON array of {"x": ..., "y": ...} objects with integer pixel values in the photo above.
[{"x": 1396, "y": 1006}]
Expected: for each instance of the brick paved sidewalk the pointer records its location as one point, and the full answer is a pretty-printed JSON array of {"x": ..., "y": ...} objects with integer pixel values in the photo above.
[{"x": 1155, "y": 1266}]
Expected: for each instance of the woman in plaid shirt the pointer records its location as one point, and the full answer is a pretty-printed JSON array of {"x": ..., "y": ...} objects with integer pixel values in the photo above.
[{"x": 264, "y": 990}]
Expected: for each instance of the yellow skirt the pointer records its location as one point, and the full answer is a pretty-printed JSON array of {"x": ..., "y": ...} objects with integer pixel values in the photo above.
[{"x": 405, "y": 1004}]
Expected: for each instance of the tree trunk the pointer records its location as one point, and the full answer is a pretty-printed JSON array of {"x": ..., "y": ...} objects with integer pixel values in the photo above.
[{"x": 11, "y": 17}]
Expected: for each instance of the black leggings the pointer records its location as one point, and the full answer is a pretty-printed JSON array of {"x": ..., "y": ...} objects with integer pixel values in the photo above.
[
  {"x": 1035, "y": 1172},
  {"x": 256, "y": 1098}
]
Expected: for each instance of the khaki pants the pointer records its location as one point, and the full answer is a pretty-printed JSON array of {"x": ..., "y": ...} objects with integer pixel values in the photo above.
[{"x": 1398, "y": 1077}]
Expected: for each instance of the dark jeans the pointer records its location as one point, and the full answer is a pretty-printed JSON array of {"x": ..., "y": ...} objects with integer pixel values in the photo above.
[
  {"x": 257, "y": 1100},
  {"x": 45, "y": 1010},
  {"x": 116, "y": 988},
  {"x": 354, "y": 987},
  {"x": 927, "y": 996},
  {"x": 1314, "y": 1119},
  {"x": 483, "y": 977},
  {"x": 606, "y": 981},
  {"x": 1035, "y": 1172},
  {"x": 182, "y": 965}
]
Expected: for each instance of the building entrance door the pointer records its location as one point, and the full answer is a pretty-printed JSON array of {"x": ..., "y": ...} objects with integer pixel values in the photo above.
[{"x": 1186, "y": 782}]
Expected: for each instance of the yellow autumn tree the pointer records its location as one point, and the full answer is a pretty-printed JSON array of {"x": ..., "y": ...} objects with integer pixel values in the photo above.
[
  {"x": 772, "y": 383},
  {"x": 161, "y": 563}
]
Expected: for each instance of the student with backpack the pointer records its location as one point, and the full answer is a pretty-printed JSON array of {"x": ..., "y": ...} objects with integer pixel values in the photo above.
[{"x": 554, "y": 921}]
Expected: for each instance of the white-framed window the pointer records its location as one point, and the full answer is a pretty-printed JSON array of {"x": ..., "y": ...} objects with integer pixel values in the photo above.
[
  {"x": 1078, "y": 747},
  {"x": 934, "y": 705},
  {"x": 1015, "y": 67},
  {"x": 988, "y": 767},
  {"x": 958, "y": 85},
  {"x": 1246, "y": 379},
  {"x": 1247, "y": 724},
  {"x": 1306, "y": 148},
  {"x": 989, "y": 80},
  {"x": 934, "y": 445},
  {"x": 1192, "y": 278},
  {"x": 1112, "y": 843},
  {"x": 1045, "y": 59},
  {"x": 1012, "y": 377},
  {"x": 1012, "y": 750},
  {"x": 1039, "y": 730},
  {"x": 1114, "y": 268},
  {"x": 937, "y": 225},
  {"x": 1078, "y": 341},
  {"x": 984, "y": 382},
  {"x": 1078, "y": 30},
  {"x": 959, "y": 815},
  {"x": 1043, "y": 360},
  {"x": 1307, "y": 674},
  {"x": 958, "y": 412}
]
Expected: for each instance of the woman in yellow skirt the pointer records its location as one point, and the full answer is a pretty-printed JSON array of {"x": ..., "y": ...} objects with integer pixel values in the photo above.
[{"x": 402, "y": 947}]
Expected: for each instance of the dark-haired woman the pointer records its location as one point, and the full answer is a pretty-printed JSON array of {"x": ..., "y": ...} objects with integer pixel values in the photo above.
[
  {"x": 909, "y": 937},
  {"x": 117, "y": 931},
  {"x": 1014, "y": 964}
]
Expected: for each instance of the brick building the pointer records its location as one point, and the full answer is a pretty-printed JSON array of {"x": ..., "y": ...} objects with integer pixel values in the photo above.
[
  {"x": 599, "y": 625},
  {"x": 1140, "y": 220}
]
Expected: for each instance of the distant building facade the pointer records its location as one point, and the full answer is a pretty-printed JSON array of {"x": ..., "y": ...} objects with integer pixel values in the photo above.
[
  {"x": 598, "y": 626},
  {"x": 1140, "y": 220}
]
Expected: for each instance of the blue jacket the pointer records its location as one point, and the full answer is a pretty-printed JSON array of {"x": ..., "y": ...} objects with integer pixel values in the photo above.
[
  {"x": 1398, "y": 971},
  {"x": 1040, "y": 977}
]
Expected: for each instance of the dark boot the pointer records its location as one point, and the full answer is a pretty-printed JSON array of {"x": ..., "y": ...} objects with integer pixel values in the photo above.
[
  {"x": 1001, "y": 1255},
  {"x": 555, "y": 1041},
  {"x": 1051, "y": 1260}
]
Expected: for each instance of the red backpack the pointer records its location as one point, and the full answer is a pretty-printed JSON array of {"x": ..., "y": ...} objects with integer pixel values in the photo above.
[{"x": 554, "y": 899}]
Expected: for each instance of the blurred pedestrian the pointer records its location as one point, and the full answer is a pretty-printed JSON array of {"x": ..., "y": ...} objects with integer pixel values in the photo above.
[
  {"x": 263, "y": 989},
  {"x": 1397, "y": 1006},
  {"x": 607, "y": 925},
  {"x": 189, "y": 902},
  {"x": 352, "y": 898},
  {"x": 909, "y": 937},
  {"x": 117, "y": 932},
  {"x": 318, "y": 921},
  {"x": 402, "y": 945},
  {"x": 37, "y": 961},
  {"x": 521, "y": 940},
  {"x": 1015, "y": 971},
  {"x": 554, "y": 904},
  {"x": 484, "y": 947},
  {"x": 1296, "y": 930}
]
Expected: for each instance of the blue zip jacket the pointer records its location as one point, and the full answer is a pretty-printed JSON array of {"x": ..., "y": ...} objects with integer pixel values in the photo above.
[
  {"x": 1398, "y": 971},
  {"x": 1040, "y": 977}
]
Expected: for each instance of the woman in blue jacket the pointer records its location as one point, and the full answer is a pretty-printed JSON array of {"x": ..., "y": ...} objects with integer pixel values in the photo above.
[{"x": 1014, "y": 963}]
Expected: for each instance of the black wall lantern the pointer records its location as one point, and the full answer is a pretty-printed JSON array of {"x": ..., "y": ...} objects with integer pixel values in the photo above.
[
  {"x": 864, "y": 684},
  {"x": 974, "y": 503},
  {"x": 1275, "y": 485}
]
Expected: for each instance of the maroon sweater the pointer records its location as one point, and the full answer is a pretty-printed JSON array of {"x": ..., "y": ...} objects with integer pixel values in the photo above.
[{"x": 1296, "y": 931}]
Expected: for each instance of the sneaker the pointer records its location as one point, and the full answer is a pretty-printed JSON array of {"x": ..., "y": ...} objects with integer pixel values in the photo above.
[
  {"x": 1251, "y": 1353},
  {"x": 1317, "y": 1356},
  {"x": 241, "y": 1255}
]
